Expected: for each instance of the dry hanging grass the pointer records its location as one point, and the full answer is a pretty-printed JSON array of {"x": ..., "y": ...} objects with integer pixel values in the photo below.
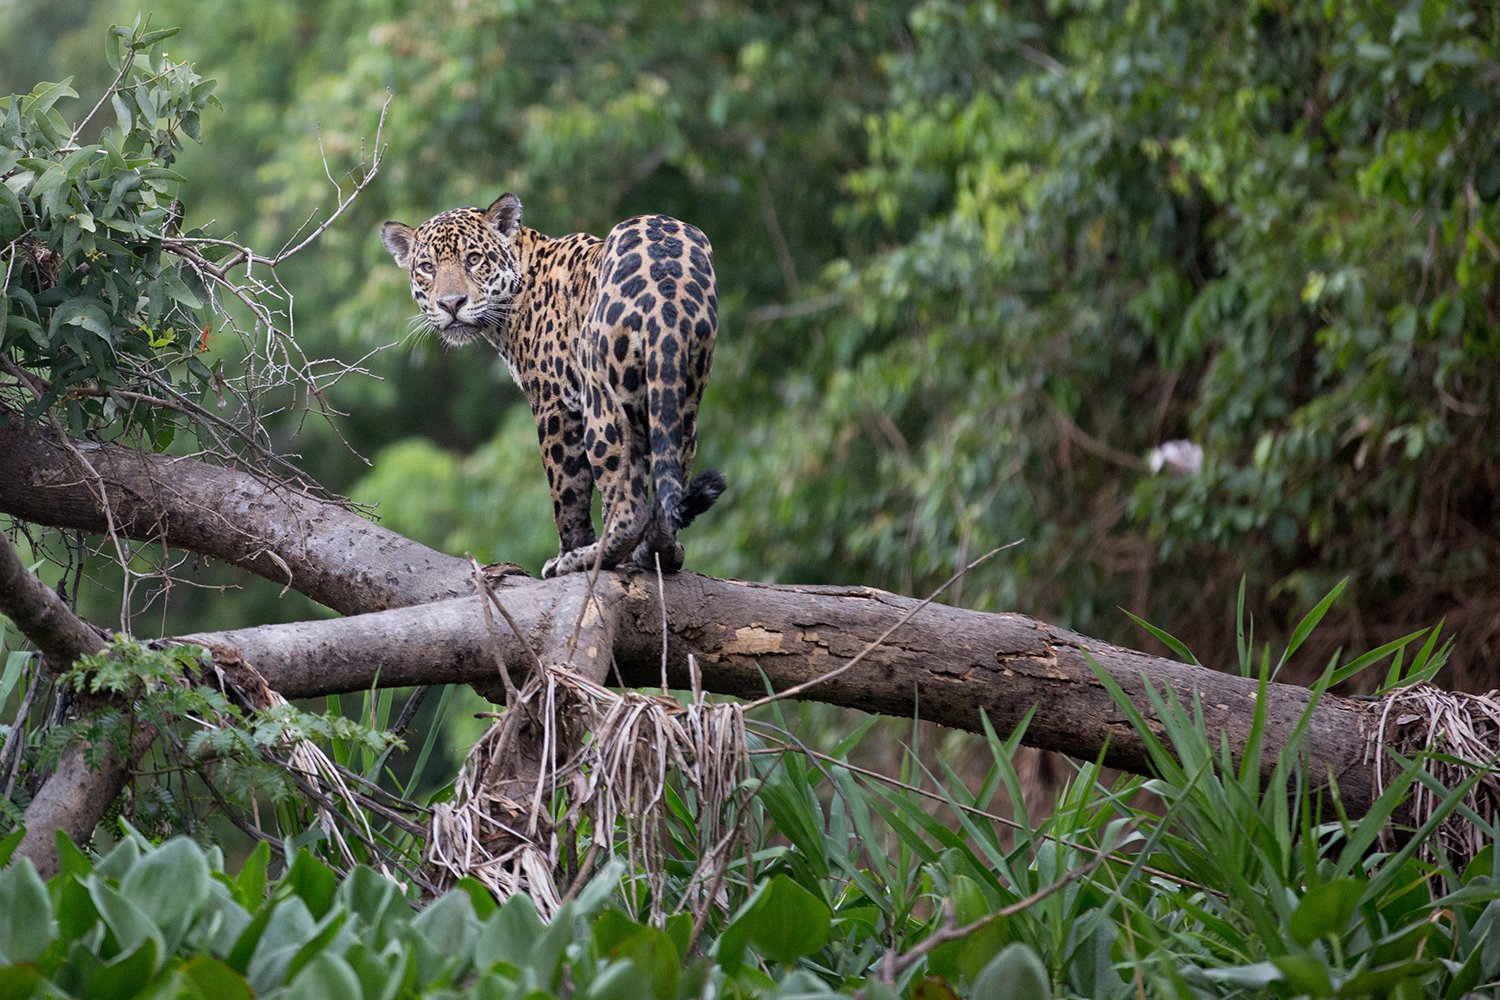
[
  {"x": 502, "y": 830},
  {"x": 569, "y": 755},
  {"x": 1452, "y": 734}
]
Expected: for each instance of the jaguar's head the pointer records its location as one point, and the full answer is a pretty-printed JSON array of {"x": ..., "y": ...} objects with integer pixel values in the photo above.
[{"x": 463, "y": 267}]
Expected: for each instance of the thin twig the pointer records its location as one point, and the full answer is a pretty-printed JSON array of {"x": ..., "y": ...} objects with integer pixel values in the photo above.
[
  {"x": 661, "y": 597},
  {"x": 512, "y": 696},
  {"x": 488, "y": 593}
]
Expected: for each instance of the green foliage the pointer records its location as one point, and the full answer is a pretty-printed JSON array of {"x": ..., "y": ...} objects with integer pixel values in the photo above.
[
  {"x": 151, "y": 920},
  {"x": 1236, "y": 883},
  {"x": 492, "y": 503},
  {"x": 239, "y": 753},
  {"x": 1240, "y": 879},
  {"x": 1265, "y": 229},
  {"x": 92, "y": 302}
]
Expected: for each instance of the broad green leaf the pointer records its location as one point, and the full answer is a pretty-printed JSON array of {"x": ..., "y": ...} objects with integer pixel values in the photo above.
[
  {"x": 44, "y": 190},
  {"x": 620, "y": 980},
  {"x": 782, "y": 921},
  {"x": 19, "y": 981},
  {"x": 375, "y": 900},
  {"x": 211, "y": 979},
  {"x": 325, "y": 977},
  {"x": 129, "y": 924},
  {"x": 480, "y": 898},
  {"x": 617, "y": 936},
  {"x": 86, "y": 313},
  {"x": 44, "y": 95},
  {"x": 180, "y": 292},
  {"x": 449, "y": 926},
  {"x": 287, "y": 928},
  {"x": 511, "y": 933},
  {"x": 332, "y": 934},
  {"x": 382, "y": 974},
  {"x": 171, "y": 883},
  {"x": 12, "y": 840},
  {"x": 250, "y": 884},
  {"x": 312, "y": 881},
  {"x": 933, "y": 988},
  {"x": 517, "y": 937},
  {"x": 26, "y": 924},
  {"x": 963, "y": 959},
  {"x": 151, "y": 38},
  {"x": 1014, "y": 974},
  {"x": 126, "y": 975}
]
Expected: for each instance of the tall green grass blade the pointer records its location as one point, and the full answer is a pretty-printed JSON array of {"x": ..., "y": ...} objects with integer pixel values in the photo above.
[
  {"x": 1362, "y": 663},
  {"x": 1309, "y": 622},
  {"x": 1173, "y": 643},
  {"x": 1243, "y": 639},
  {"x": 1424, "y": 665},
  {"x": 1002, "y": 752},
  {"x": 15, "y": 669}
]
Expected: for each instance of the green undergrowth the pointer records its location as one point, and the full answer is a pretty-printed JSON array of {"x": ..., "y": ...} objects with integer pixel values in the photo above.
[{"x": 1225, "y": 875}]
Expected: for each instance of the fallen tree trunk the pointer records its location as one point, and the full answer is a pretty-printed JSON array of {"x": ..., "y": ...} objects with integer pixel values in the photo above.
[
  {"x": 952, "y": 665},
  {"x": 407, "y": 626}
]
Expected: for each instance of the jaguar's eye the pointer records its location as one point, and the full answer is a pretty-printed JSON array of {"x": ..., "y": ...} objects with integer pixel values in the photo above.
[
  {"x": 474, "y": 259},
  {"x": 425, "y": 267}
]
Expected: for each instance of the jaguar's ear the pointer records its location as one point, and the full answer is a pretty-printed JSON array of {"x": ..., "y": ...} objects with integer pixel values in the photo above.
[
  {"x": 398, "y": 239},
  {"x": 505, "y": 215}
]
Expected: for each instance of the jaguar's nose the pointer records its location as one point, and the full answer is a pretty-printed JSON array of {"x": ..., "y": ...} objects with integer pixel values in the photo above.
[{"x": 451, "y": 304}]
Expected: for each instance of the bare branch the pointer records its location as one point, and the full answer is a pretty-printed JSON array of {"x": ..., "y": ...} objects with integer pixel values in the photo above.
[{"x": 40, "y": 614}]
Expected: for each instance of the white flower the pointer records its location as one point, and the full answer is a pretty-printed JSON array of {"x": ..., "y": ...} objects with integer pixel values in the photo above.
[{"x": 1181, "y": 458}]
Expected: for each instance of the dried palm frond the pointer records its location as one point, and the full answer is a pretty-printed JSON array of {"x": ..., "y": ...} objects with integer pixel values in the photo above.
[
  {"x": 1452, "y": 734},
  {"x": 500, "y": 829}
]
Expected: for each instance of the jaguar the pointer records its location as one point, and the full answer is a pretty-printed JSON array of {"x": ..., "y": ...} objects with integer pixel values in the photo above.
[{"x": 610, "y": 340}]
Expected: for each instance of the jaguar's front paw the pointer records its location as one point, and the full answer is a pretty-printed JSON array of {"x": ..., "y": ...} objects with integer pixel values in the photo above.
[{"x": 571, "y": 561}]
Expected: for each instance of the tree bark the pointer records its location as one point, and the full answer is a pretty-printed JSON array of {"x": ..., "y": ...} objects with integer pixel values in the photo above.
[
  {"x": 311, "y": 544},
  {"x": 409, "y": 625}
]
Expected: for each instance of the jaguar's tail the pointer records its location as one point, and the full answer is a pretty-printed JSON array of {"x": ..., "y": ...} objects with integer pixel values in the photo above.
[
  {"x": 675, "y": 507},
  {"x": 706, "y": 487}
]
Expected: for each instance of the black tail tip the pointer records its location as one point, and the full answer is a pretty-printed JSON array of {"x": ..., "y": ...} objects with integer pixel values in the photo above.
[{"x": 706, "y": 487}]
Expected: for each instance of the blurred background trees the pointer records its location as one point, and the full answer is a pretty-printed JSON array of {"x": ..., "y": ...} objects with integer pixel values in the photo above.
[{"x": 978, "y": 262}]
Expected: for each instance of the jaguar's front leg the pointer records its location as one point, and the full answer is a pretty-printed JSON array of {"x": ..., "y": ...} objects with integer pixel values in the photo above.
[
  {"x": 570, "y": 479},
  {"x": 622, "y": 472}
]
